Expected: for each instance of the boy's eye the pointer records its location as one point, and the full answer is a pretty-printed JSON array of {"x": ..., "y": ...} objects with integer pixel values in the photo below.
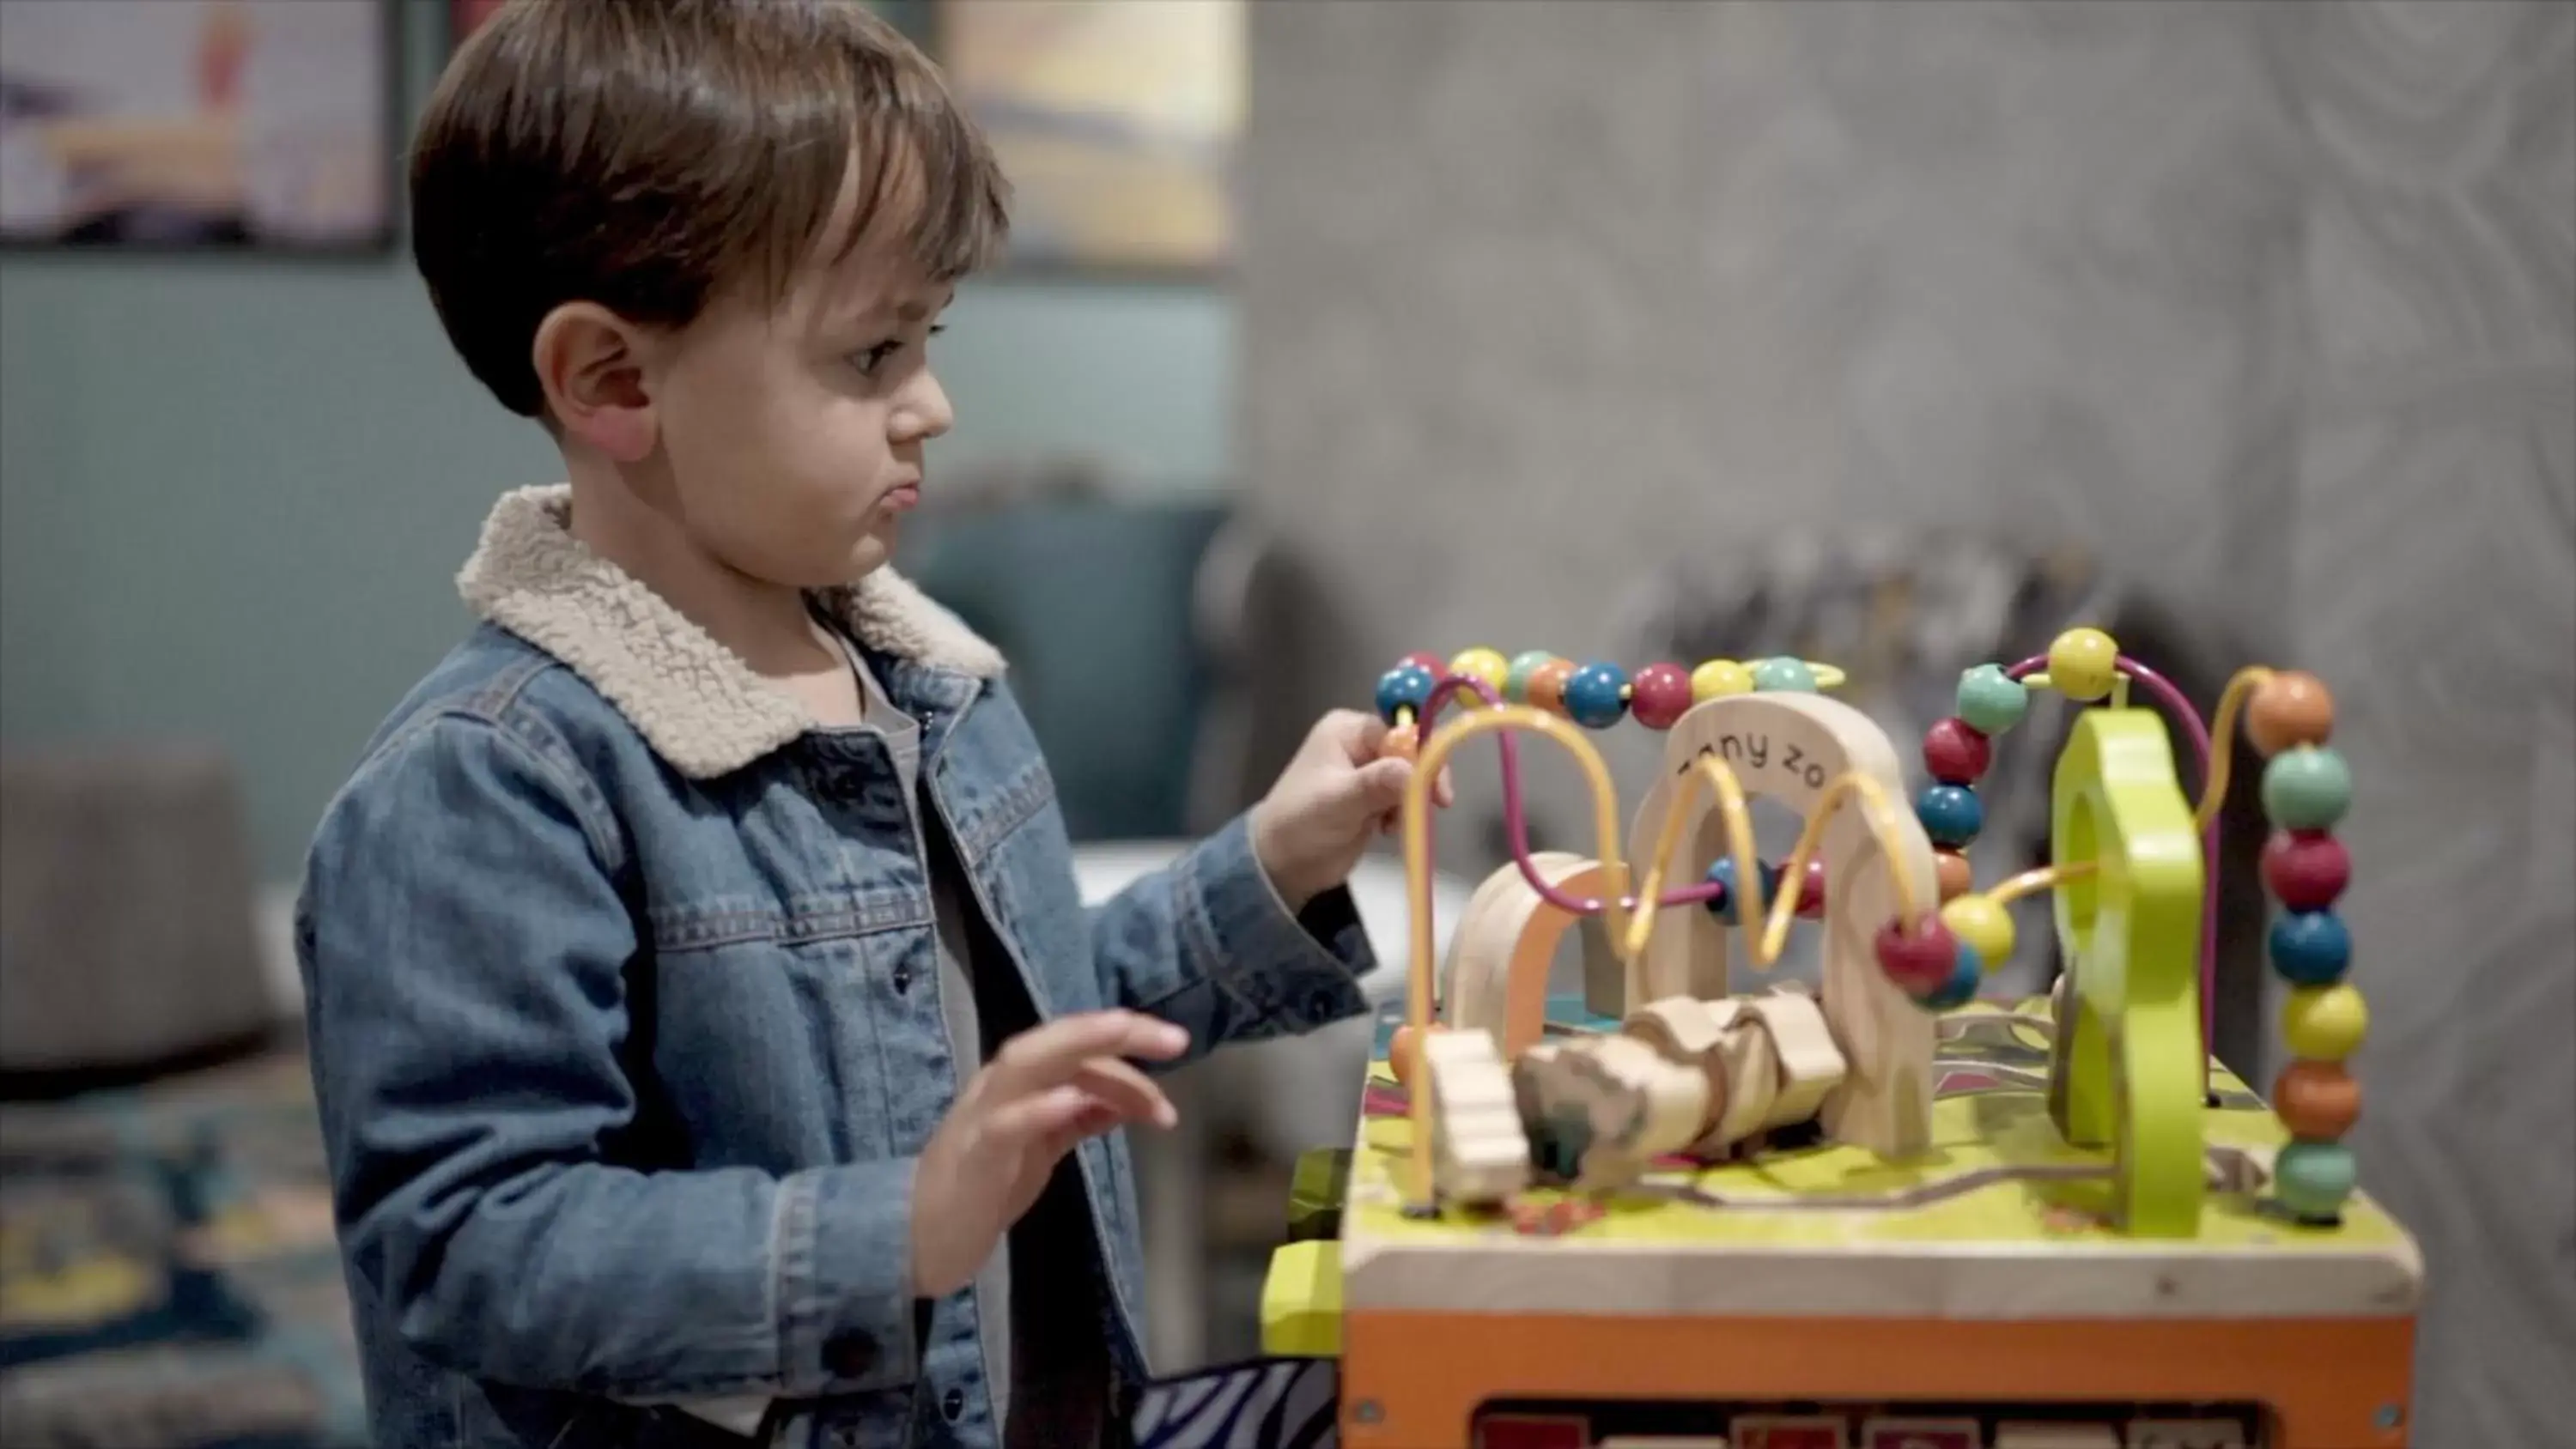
[{"x": 868, "y": 360}]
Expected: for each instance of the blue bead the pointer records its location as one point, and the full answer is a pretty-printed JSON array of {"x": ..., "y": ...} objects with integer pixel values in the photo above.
[
  {"x": 2312, "y": 1179},
  {"x": 2311, "y": 948},
  {"x": 1406, "y": 686},
  {"x": 1595, "y": 696},
  {"x": 1951, "y": 814},
  {"x": 1961, "y": 988},
  {"x": 1784, "y": 675},
  {"x": 1725, "y": 904}
]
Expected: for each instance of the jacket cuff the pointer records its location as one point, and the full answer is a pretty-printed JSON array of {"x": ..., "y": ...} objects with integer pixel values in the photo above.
[
  {"x": 1300, "y": 969},
  {"x": 844, "y": 1265}
]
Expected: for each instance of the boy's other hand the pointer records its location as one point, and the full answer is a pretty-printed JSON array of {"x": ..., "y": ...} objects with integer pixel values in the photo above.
[
  {"x": 1043, "y": 1092},
  {"x": 1336, "y": 795}
]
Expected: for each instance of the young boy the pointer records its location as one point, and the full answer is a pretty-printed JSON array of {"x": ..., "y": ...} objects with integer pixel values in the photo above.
[{"x": 708, "y": 1036}]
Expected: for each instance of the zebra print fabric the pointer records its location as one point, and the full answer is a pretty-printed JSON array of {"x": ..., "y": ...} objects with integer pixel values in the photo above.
[{"x": 1279, "y": 1403}]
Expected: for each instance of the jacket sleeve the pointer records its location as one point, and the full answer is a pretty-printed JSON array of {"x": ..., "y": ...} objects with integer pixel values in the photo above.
[
  {"x": 1206, "y": 942},
  {"x": 465, "y": 948}
]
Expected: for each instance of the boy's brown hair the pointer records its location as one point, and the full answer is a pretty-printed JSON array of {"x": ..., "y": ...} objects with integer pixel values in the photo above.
[{"x": 650, "y": 155}]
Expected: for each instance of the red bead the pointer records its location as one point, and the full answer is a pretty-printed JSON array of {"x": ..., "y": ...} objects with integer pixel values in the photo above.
[
  {"x": 1955, "y": 753},
  {"x": 2305, "y": 869},
  {"x": 1438, "y": 666},
  {"x": 1811, "y": 893},
  {"x": 1660, "y": 695},
  {"x": 1920, "y": 959}
]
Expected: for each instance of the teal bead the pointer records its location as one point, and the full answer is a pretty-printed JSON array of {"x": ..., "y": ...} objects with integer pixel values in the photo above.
[
  {"x": 1516, "y": 678},
  {"x": 2307, "y": 788},
  {"x": 1784, "y": 675},
  {"x": 1989, "y": 702},
  {"x": 2312, "y": 1179}
]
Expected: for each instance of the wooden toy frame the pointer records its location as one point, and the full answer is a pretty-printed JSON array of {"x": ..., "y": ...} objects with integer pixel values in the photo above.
[{"x": 2091, "y": 1212}]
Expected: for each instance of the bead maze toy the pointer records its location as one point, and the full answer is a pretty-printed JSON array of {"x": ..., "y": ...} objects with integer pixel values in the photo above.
[{"x": 1886, "y": 1214}]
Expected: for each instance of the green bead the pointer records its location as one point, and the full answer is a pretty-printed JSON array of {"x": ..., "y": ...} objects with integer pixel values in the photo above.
[
  {"x": 1989, "y": 702},
  {"x": 2312, "y": 1179},
  {"x": 1784, "y": 675},
  {"x": 1516, "y": 678},
  {"x": 2307, "y": 788}
]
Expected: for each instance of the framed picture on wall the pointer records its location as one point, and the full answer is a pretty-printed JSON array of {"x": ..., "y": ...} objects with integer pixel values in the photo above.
[
  {"x": 1116, "y": 120},
  {"x": 181, "y": 125}
]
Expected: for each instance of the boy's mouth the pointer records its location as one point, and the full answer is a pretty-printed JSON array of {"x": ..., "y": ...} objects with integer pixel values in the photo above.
[{"x": 902, "y": 498}]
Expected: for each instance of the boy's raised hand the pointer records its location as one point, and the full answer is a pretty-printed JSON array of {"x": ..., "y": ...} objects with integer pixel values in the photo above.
[
  {"x": 1043, "y": 1092},
  {"x": 1336, "y": 795}
]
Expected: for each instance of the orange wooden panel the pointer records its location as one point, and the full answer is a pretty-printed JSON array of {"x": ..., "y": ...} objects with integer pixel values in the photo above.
[{"x": 1415, "y": 1380}]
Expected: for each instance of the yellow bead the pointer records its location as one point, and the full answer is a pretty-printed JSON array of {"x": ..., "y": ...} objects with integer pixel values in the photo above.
[
  {"x": 1485, "y": 664},
  {"x": 2324, "y": 1023},
  {"x": 2083, "y": 664},
  {"x": 1984, "y": 925},
  {"x": 1719, "y": 678}
]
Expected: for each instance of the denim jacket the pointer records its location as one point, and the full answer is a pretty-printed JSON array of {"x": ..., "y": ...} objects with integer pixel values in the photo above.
[{"x": 623, "y": 1006}]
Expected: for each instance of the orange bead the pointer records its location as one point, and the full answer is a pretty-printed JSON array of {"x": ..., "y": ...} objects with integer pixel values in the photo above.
[
  {"x": 1403, "y": 742},
  {"x": 1954, "y": 873},
  {"x": 2290, "y": 709},
  {"x": 1547, "y": 685},
  {"x": 1403, "y": 1052},
  {"x": 2317, "y": 1101}
]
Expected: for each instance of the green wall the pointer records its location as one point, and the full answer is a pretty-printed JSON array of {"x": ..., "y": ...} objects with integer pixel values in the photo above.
[{"x": 234, "y": 493}]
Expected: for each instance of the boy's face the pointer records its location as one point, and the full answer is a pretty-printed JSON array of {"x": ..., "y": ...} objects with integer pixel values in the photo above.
[{"x": 794, "y": 434}]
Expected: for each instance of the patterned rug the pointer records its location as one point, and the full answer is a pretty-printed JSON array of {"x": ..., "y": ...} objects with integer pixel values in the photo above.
[{"x": 168, "y": 1278}]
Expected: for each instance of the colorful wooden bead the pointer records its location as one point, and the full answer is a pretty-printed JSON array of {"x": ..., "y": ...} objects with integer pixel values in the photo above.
[
  {"x": 1951, "y": 814},
  {"x": 2305, "y": 870},
  {"x": 2312, "y": 1180},
  {"x": 2316, "y": 1100},
  {"x": 1982, "y": 924},
  {"x": 1719, "y": 678},
  {"x": 1485, "y": 665},
  {"x": 1516, "y": 677},
  {"x": 1991, "y": 701},
  {"x": 1917, "y": 960},
  {"x": 2325, "y": 1023},
  {"x": 2306, "y": 788},
  {"x": 1547, "y": 685},
  {"x": 1811, "y": 892},
  {"x": 1953, "y": 874},
  {"x": 2310, "y": 948},
  {"x": 1403, "y": 742},
  {"x": 1660, "y": 696},
  {"x": 2083, "y": 664},
  {"x": 2289, "y": 709},
  {"x": 1728, "y": 904},
  {"x": 1405, "y": 687},
  {"x": 1424, "y": 659},
  {"x": 1967, "y": 970},
  {"x": 1956, "y": 753},
  {"x": 1784, "y": 675},
  {"x": 1596, "y": 695}
]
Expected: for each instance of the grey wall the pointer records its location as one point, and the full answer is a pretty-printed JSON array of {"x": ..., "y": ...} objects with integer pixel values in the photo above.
[
  {"x": 233, "y": 493},
  {"x": 2274, "y": 305}
]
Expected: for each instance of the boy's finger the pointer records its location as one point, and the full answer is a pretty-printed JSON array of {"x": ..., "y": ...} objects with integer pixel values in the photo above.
[
  {"x": 1042, "y": 1117},
  {"x": 1360, "y": 735},
  {"x": 1131, "y": 1093},
  {"x": 1049, "y": 1055}
]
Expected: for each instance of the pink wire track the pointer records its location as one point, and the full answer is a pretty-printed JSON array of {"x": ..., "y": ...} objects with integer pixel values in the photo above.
[
  {"x": 1518, "y": 824},
  {"x": 2198, "y": 732}
]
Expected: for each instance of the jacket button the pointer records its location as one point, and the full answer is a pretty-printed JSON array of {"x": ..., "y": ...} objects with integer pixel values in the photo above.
[
  {"x": 850, "y": 1355},
  {"x": 953, "y": 1403},
  {"x": 902, "y": 979}
]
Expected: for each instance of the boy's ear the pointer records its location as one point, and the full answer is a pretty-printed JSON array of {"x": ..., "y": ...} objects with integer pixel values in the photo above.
[{"x": 590, "y": 362}]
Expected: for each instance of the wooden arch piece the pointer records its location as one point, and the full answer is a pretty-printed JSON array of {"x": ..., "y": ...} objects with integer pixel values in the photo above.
[
  {"x": 1789, "y": 747},
  {"x": 1496, "y": 975}
]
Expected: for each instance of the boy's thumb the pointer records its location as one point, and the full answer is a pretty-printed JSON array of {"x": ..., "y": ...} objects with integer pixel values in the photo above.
[{"x": 1381, "y": 782}]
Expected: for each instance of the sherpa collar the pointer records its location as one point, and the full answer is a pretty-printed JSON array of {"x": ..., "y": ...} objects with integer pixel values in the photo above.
[{"x": 695, "y": 702}]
